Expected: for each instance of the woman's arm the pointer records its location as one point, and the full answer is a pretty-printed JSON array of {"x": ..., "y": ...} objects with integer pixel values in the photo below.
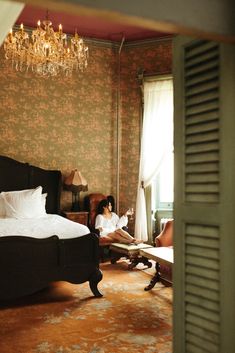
[
  {"x": 99, "y": 222},
  {"x": 122, "y": 221}
]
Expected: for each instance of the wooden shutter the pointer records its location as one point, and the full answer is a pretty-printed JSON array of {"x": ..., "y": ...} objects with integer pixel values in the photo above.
[{"x": 204, "y": 231}]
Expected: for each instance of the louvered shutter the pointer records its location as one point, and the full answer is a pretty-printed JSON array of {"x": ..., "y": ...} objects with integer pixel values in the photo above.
[{"x": 204, "y": 232}]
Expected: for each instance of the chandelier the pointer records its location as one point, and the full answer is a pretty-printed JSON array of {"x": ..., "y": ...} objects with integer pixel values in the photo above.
[{"x": 46, "y": 52}]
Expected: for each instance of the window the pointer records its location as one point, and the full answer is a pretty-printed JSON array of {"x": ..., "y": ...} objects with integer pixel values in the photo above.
[
  {"x": 156, "y": 143},
  {"x": 163, "y": 183}
]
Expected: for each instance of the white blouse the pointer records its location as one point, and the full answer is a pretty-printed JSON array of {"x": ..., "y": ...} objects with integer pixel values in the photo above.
[{"x": 109, "y": 225}]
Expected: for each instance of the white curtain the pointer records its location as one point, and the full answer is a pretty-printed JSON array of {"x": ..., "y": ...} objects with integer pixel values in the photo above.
[
  {"x": 9, "y": 12},
  {"x": 155, "y": 142}
]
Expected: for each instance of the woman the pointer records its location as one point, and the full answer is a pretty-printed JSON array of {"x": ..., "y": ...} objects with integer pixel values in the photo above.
[{"x": 110, "y": 225}]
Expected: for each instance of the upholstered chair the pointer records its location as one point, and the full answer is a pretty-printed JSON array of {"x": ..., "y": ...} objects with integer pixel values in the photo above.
[
  {"x": 165, "y": 238},
  {"x": 91, "y": 203}
]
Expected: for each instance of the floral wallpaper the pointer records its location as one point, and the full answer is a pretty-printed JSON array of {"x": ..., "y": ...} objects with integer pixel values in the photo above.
[{"x": 66, "y": 123}]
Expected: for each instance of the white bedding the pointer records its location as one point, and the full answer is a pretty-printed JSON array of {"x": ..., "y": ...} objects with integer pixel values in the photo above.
[{"x": 43, "y": 227}]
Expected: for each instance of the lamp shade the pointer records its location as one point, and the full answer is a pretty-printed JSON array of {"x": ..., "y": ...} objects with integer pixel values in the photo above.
[{"x": 75, "y": 183}]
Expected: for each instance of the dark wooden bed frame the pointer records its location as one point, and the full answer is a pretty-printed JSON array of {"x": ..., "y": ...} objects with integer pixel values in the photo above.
[{"x": 27, "y": 264}]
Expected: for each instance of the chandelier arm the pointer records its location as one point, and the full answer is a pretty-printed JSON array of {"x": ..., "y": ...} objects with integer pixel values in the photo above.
[{"x": 45, "y": 51}]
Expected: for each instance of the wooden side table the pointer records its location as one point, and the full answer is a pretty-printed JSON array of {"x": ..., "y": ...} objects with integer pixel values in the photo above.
[{"x": 79, "y": 217}]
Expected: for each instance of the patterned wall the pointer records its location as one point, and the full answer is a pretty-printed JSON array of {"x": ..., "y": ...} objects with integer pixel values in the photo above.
[{"x": 64, "y": 123}]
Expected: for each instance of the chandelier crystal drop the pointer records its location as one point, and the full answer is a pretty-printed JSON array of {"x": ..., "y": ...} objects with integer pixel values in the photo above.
[{"x": 46, "y": 52}]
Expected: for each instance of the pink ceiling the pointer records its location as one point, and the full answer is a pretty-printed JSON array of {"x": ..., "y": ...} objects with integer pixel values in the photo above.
[{"x": 90, "y": 27}]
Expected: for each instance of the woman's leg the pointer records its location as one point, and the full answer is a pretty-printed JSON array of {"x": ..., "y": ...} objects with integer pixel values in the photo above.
[
  {"x": 125, "y": 235},
  {"x": 119, "y": 238}
]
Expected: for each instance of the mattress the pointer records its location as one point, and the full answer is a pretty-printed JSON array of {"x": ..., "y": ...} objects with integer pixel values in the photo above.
[{"x": 43, "y": 227}]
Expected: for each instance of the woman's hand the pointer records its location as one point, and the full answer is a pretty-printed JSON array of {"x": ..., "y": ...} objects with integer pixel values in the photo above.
[{"x": 129, "y": 212}]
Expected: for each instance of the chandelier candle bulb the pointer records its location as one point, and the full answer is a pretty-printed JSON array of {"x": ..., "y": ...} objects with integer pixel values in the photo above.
[{"x": 46, "y": 52}]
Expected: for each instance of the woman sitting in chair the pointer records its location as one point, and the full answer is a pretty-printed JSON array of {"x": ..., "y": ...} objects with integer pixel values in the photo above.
[{"x": 110, "y": 225}]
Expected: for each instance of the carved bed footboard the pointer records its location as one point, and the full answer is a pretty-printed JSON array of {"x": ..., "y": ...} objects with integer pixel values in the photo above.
[{"x": 28, "y": 264}]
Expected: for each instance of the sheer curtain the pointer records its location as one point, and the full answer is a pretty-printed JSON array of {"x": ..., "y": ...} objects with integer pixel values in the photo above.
[{"x": 157, "y": 126}]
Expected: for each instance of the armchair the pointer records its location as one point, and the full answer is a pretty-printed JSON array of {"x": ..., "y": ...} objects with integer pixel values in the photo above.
[{"x": 91, "y": 202}]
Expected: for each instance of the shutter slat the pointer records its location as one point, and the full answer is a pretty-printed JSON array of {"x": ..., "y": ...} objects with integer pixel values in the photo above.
[
  {"x": 202, "y": 108},
  {"x": 209, "y": 198},
  {"x": 202, "y": 128},
  {"x": 199, "y": 79},
  {"x": 199, "y": 48},
  {"x": 202, "y": 157},
  {"x": 202, "y": 185},
  {"x": 207, "y": 324},
  {"x": 202, "y": 178},
  {"x": 202, "y": 147},
  {"x": 212, "y": 54},
  {"x": 207, "y": 188},
  {"x": 204, "y": 303},
  {"x": 201, "y": 69},
  {"x": 202, "y": 230},
  {"x": 203, "y": 97},
  {"x": 202, "y": 117},
  {"x": 204, "y": 252},
  {"x": 190, "y": 348},
  {"x": 202, "y": 282},
  {"x": 206, "y": 334},
  {"x": 202, "y": 241},
  {"x": 199, "y": 261},
  {"x": 202, "y": 137},
  {"x": 200, "y": 342},
  {"x": 204, "y": 292},
  {"x": 202, "y": 87},
  {"x": 202, "y": 167}
]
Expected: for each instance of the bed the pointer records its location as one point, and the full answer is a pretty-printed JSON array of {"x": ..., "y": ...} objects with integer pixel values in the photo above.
[{"x": 31, "y": 257}]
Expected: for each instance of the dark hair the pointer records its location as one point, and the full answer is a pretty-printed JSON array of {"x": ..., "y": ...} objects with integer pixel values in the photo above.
[
  {"x": 103, "y": 203},
  {"x": 110, "y": 199}
]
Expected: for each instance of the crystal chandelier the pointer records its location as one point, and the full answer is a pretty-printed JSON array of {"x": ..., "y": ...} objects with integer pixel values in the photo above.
[{"x": 46, "y": 52}]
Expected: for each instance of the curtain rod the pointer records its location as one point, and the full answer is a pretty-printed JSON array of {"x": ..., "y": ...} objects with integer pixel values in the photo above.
[
  {"x": 142, "y": 76},
  {"x": 157, "y": 77}
]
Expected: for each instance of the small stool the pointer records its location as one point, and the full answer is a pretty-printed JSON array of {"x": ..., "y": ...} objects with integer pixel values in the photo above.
[{"x": 131, "y": 251}]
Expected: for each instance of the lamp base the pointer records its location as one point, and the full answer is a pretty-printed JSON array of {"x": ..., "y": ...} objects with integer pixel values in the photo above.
[{"x": 75, "y": 207}]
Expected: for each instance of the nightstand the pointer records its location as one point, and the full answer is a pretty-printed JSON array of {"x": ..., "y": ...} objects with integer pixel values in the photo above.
[{"x": 79, "y": 217}]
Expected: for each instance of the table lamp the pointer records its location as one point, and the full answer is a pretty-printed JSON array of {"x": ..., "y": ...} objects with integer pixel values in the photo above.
[{"x": 75, "y": 183}]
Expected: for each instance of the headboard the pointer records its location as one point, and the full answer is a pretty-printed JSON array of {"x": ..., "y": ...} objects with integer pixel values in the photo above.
[{"x": 16, "y": 175}]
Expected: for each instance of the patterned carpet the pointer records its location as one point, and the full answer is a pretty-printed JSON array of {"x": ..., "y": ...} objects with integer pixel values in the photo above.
[{"x": 67, "y": 319}]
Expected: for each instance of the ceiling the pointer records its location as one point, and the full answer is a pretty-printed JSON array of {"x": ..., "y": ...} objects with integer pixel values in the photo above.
[{"x": 87, "y": 26}]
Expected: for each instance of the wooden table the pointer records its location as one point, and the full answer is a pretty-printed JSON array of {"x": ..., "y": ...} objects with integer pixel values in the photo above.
[
  {"x": 79, "y": 217},
  {"x": 162, "y": 256}
]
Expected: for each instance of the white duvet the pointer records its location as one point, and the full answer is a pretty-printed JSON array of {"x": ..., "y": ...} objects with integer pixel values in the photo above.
[{"x": 43, "y": 227}]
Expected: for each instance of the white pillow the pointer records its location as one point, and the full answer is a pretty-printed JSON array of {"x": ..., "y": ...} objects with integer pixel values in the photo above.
[
  {"x": 43, "y": 200},
  {"x": 2, "y": 207},
  {"x": 24, "y": 203}
]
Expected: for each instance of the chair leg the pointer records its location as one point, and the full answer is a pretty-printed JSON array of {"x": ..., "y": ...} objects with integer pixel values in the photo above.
[
  {"x": 137, "y": 260},
  {"x": 115, "y": 257},
  {"x": 154, "y": 279},
  {"x": 104, "y": 250}
]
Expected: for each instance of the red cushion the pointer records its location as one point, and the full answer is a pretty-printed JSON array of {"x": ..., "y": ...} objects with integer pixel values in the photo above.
[{"x": 165, "y": 238}]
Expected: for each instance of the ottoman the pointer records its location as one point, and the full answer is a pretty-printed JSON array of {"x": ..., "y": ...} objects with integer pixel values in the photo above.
[{"x": 130, "y": 251}]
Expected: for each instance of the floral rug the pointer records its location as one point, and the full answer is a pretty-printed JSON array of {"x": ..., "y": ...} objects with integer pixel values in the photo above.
[{"x": 66, "y": 319}]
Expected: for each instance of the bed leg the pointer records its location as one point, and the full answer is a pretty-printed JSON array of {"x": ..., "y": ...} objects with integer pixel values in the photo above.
[{"x": 93, "y": 282}]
